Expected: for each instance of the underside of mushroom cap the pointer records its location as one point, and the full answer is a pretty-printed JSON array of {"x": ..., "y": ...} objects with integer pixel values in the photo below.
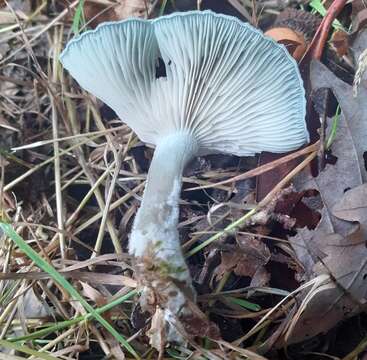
[{"x": 235, "y": 90}]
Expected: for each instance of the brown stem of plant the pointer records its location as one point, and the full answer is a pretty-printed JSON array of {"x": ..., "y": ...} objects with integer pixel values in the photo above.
[{"x": 318, "y": 42}]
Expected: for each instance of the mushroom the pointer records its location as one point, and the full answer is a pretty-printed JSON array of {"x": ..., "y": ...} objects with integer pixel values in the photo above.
[{"x": 226, "y": 88}]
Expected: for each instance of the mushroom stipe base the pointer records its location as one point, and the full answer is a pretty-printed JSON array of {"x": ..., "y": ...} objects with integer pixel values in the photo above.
[{"x": 171, "y": 301}]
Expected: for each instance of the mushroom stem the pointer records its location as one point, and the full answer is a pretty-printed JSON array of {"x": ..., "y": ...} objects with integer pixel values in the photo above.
[{"x": 154, "y": 240}]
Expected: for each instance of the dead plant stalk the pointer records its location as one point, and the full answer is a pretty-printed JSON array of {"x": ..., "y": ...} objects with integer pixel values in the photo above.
[{"x": 57, "y": 43}]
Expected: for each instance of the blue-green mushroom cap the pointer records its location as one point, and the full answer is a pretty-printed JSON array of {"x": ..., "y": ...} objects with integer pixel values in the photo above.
[{"x": 235, "y": 90}]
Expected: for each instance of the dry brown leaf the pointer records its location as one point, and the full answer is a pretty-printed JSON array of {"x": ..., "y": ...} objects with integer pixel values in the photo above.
[
  {"x": 340, "y": 42},
  {"x": 348, "y": 171},
  {"x": 334, "y": 254},
  {"x": 350, "y": 149},
  {"x": 359, "y": 21},
  {"x": 33, "y": 307},
  {"x": 293, "y": 41},
  {"x": 343, "y": 291},
  {"x": 260, "y": 278},
  {"x": 358, "y": 6},
  {"x": 353, "y": 207},
  {"x": 247, "y": 259},
  {"x": 331, "y": 184},
  {"x": 354, "y": 109}
]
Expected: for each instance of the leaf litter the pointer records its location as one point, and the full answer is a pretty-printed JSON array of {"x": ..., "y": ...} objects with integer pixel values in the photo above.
[
  {"x": 294, "y": 269},
  {"x": 336, "y": 248}
]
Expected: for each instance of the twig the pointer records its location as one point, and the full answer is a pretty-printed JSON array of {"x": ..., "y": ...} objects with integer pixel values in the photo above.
[
  {"x": 39, "y": 166},
  {"x": 72, "y": 137},
  {"x": 55, "y": 135},
  {"x": 318, "y": 42},
  {"x": 263, "y": 168}
]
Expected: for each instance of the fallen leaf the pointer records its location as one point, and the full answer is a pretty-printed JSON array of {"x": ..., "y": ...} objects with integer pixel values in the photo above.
[
  {"x": 353, "y": 207},
  {"x": 334, "y": 254},
  {"x": 342, "y": 270},
  {"x": 247, "y": 259},
  {"x": 348, "y": 172},
  {"x": 348, "y": 147},
  {"x": 359, "y": 21},
  {"x": 33, "y": 306},
  {"x": 299, "y": 206},
  {"x": 266, "y": 182},
  {"x": 308, "y": 252},
  {"x": 293, "y": 41},
  {"x": 354, "y": 109},
  {"x": 340, "y": 42},
  {"x": 261, "y": 278},
  {"x": 357, "y": 6},
  {"x": 341, "y": 291}
]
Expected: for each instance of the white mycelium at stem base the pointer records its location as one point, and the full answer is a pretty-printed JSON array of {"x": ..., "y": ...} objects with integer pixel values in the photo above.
[{"x": 155, "y": 226}]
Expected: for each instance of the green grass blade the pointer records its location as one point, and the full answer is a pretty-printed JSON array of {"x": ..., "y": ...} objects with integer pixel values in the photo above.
[
  {"x": 45, "y": 266},
  {"x": 26, "y": 350},
  {"x": 65, "y": 324},
  {"x": 78, "y": 17},
  {"x": 334, "y": 128},
  {"x": 229, "y": 229},
  {"x": 163, "y": 7},
  {"x": 244, "y": 303},
  {"x": 319, "y": 7}
]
